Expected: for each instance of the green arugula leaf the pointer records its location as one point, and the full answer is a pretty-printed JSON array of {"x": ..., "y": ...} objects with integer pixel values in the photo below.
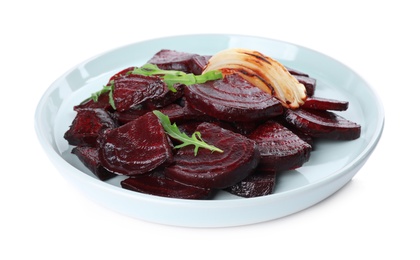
[
  {"x": 173, "y": 131},
  {"x": 171, "y": 77}
]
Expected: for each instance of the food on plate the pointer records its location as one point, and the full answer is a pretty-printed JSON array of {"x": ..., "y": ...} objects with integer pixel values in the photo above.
[{"x": 186, "y": 125}]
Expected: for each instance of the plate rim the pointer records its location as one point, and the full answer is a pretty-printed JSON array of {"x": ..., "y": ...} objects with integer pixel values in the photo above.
[{"x": 56, "y": 158}]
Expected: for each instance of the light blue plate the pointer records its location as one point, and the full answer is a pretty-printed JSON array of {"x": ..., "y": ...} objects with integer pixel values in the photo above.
[{"x": 331, "y": 166}]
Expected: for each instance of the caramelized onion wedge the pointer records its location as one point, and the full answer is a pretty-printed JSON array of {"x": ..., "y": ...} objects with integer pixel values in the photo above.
[{"x": 262, "y": 71}]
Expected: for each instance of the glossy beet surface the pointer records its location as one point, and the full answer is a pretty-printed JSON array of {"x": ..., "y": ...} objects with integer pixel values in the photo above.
[
  {"x": 172, "y": 60},
  {"x": 132, "y": 90},
  {"x": 136, "y": 147},
  {"x": 159, "y": 185},
  {"x": 322, "y": 124},
  {"x": 89, "y": 156},
  {"x": 213, "y": 169},
  {"x": 319, "y": 103},
  {"x": 279, "y": 147},
  {"x": 87, "y": 125},
  {"x": 233, "y": 99},
  {"x": 184, "y": 113},
  {"x": 260, "y": 183}
]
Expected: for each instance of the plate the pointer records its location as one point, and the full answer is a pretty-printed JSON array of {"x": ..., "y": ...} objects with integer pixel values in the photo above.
[{"x": 331, "y": 166}]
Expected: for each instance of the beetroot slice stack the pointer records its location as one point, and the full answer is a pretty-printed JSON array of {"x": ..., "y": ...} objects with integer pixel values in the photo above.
[
  {"x": 233, "y": 99},
  {"x": 213, "y": 169}
]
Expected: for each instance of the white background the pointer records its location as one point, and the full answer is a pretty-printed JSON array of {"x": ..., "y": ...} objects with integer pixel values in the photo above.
[{"x": 375, "y": 216}]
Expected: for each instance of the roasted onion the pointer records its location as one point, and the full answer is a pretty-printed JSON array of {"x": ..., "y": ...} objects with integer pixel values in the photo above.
[{"x": 262, "y": 71}]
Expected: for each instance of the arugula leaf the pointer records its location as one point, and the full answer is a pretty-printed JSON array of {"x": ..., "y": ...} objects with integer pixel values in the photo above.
[
  {"x": 173, "y": 131},
  {"x": 171, "y": 77}
]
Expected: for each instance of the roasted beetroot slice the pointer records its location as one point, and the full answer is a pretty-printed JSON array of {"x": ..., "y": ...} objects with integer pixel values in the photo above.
[
  {"x": 308, "y": 82},
  {"x": 172, "y": 60},
  {"x": 245, "y": 128},
  {"x": 89, "y": 156},
  {"x": 214, "y": 169},
  {"x": 322, "y": 124},
  {"x": 233, "y": 99},
  {"x": 164, "y": 187},
  {"x": 128, "y": 115},
  {"x": 296, "y": 72},
  {"x": 325, "y": 104},
  {"x": 87, "y": 125},
  {"x": 121, "y": 73},
  {"x": 198, "y": 63},
  {"x": 188, "y": 127},
  {"x": 165, "y": 98},
  {"x": 136, "y": 147},
  {"x": 131, "y": 90},
  {"x": 260, "y": 183},
  {"x": 103, "y": 103},
  {"x": 279, "y": 147},
  {"x": 103, "y": 100},
  {"x": 305, "y": 137},
  {"x": 178, "y": 113}
]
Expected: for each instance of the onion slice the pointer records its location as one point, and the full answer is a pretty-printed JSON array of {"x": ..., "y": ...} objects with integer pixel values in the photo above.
[{"x": 263, "y": 72}]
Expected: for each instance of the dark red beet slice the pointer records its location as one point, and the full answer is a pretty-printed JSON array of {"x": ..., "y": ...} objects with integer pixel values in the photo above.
[
  {"x": 309, "y": 83},
  {"x": 172, "y": 60},
  {"x": 245, "y": 128},
  {"x": 188, "y": 127},
  {"x": 296, "y": 72},
  {"x": 322, "y": 124},
  {"x": 132, "y": 90},
  {"x": 128, "y": 115},
  {"x": 260, "y": 183},
  {"x": 159, "y": 185},
  {"x": 136, "y": 147},
  {"x": 87, "y": 125},
  {"x": 305, "y": 137},
  {"x": 233, "y": 99},
  {"x": 89, "y": 156},
  {"x": 178, "y": 113},
  {"x": 103, "y": 100},
  {"x": 215, "y": 170},
  {"x": 121, "y": 73},
  {"x": 279, "y": 147},
  {"x": 198, "y": 63},
  {"x": 325, "y": 104},
  {"x": 103, "y": 103},
  {"x": 165, "y": 98}
]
